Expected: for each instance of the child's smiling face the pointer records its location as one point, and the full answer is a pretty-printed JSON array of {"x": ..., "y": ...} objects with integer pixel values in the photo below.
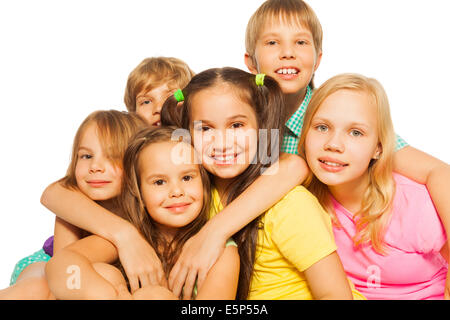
[
  {"x": 171, "y": 184},
  {"x": 149, "y": 103},
  {"x": 96, "y": 174},
  {"x": 224, "y": 130},
  {"x": 343, "y": 138},
  {"x": 286, "y": 52}
]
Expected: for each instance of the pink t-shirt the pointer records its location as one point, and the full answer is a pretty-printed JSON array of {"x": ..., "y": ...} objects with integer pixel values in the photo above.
[{"x": 413, "y": 268}]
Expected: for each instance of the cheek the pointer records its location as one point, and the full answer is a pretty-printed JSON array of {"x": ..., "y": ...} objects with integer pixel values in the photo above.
[
  {"x": 312, "y": 146},
  {"x": 80, "y": 171}
]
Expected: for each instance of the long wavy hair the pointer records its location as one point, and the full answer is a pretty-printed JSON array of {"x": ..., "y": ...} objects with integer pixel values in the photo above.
[
  {"x": 268, "y": 104},
  {"x": 133, "y": 205},
  {"x": 372, "y": 219}
]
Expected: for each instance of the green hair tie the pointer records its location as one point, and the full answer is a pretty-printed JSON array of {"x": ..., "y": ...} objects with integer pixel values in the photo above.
[
  {"x": 179, "y": 95},
  {"x": 259, "y": 79}
]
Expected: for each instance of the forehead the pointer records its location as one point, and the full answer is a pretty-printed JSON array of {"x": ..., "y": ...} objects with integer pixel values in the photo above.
[
  {"x": 276, "y": 21},
  {"x": 219, "y": 103},
  {"x": 348, "y": 106},
  {"x": 167, "y": 157},
  {"x": 159, "y": 89}
]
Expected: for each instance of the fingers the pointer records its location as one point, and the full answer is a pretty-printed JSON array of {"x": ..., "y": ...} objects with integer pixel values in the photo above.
[
  {"x": 176, "y": 279},
  {"x": 201, "y": 278},
  {"x": 145, "y": 280},
  {"x": 134, "y": 283},
  {"x": 189, "y": 285}
]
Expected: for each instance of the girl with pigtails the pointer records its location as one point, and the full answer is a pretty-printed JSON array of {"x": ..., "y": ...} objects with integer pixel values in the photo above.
[{"x": 288, "y": 252}]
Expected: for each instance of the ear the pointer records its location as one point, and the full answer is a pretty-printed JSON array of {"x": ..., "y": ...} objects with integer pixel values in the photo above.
[
  {"x": 378, "y": 152},
  {"x": 318, "y": 60},
  {"x": 250, "y": 63}
]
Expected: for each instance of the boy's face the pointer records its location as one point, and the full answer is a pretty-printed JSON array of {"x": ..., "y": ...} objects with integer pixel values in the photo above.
[
  {"x": 285, "y": 52},
  {"x": 149, "y": 103}
]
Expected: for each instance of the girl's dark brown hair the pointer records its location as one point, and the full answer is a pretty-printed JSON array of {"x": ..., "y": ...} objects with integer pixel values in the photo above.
[
  {"x": 268, "y": 105},
  {"x": 133, "y": 205}
]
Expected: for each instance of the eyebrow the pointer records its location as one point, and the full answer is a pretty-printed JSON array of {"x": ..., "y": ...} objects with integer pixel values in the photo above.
[
  {"x": 275, "y": 34},
  {"x": 163, "y": 176},
  {"x": 352, "y": 124},
  {"x": 227, "y": 119},
  {"x": 84, "y": 148}
]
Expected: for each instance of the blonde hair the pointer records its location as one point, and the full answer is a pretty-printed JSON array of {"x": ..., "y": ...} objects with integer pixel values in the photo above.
[
  {"x": 115, "y": 128},
  {"x": 154, "y": 72},
  {"x": 372, "y": 219},
  {"x": 293, "y": 12}
]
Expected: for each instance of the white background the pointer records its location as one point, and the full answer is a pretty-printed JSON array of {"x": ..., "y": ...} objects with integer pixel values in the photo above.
[{"x": 61, "y": 60}]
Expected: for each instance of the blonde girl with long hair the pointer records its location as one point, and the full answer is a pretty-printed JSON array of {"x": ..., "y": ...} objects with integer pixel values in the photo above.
[
  {"x": 95, "y": 170},
  {"x": 166, "y": 197},
  {"x": 387, "y": 230}
]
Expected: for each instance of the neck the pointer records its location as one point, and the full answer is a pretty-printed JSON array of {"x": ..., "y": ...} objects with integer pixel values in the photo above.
[
  {"x": 293, "y": 101},
  {"x": 110, "y": 205},
  {"x": 351, "y": 194},
  {"x": 222, "y": 186}
]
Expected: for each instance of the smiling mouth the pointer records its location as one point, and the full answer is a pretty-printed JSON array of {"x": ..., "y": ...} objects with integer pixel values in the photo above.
[
  {"x": 157, "y": 124},
  {"x": 178, "y": 207},
  {"x": 225, "y": 159},
  {"x": 333, "y": 164},
  {"x": 98, "y": 183},
  {"x": 287, "y": 71}
]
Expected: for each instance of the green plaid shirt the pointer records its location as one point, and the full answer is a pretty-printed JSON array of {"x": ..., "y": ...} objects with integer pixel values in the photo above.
[{"x": 295, "y": 124}]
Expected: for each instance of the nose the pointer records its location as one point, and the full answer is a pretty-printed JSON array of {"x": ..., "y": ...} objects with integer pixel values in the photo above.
[
  {"x": 224, "y": 140},
  {"x": 287, "y": 52},
  {"x": 334, "y": 143},
  {"x": 96, "y": 165},
  {"x": 158, "y": 107},
  {"x": 176, "y": 190}
]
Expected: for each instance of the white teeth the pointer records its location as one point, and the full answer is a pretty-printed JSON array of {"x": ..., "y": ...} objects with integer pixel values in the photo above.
[
  {"x": 333, "y": 164},
  {"x": 224, "y": 158},
  {"x": 287, "y": 71}
]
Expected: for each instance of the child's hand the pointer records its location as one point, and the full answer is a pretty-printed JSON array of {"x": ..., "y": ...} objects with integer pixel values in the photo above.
[
  {"x": 154, "y": 293},
  {"x": 139, "y": 260},
  {"x": 198, "y": 255}
]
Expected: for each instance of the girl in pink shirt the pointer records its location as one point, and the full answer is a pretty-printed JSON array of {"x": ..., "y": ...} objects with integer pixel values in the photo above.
[{"x": 386, "y": 227}]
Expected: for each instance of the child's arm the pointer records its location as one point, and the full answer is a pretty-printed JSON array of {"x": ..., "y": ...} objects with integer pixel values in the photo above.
[
  {"x": 71, "y": 273},
  {"x": 327, "y": 280},
  {"x": 201, "y": 251},
  {"x": 435, "y": 174},
  {"x": 138, "y": 258},
  {"x": 65, "y": 234}
]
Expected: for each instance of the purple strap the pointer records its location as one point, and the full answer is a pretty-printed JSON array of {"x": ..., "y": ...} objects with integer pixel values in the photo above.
[{"x": 48, "y": 246}]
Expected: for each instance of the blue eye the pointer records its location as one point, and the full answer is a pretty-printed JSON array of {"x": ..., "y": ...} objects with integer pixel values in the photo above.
[
  {"x": 322, "y": 128},
  {"x": 356, "y": 133}
]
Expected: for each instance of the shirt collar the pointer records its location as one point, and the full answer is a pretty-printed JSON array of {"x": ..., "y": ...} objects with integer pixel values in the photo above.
[{"x": 295, "y": 121}]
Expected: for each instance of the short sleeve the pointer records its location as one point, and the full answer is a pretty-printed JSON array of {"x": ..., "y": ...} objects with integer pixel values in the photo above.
[
  {"x": 302, "y": 229},
  {"x": 399, "y": 143}
]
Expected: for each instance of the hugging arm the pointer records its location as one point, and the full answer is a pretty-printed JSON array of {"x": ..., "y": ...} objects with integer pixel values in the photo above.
[
  {"x": 138, "y": 258},
  {"x": 435, "y": 174}
]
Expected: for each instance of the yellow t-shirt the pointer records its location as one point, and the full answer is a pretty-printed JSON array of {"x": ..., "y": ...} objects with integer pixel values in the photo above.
[{"x": 296, "y": 233}]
